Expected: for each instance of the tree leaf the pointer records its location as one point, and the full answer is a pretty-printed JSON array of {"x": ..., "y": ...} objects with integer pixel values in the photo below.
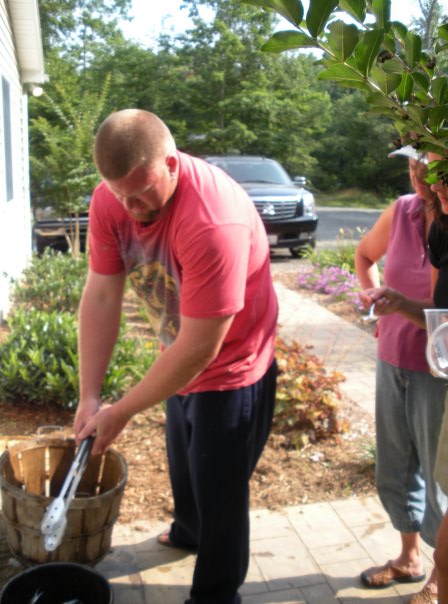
[
  {"x": 367, "y": 50},
  {"x": 343, "y": 39},
  {"x": 318, "y": 14},
  {"x": 437, "y": 117},
  {"x": 434, "y": 147},
  {"x": 356, "y": 8},
  {"x": 439, "y": 90},
  {"x": 390, "y": 42},
  {"x": 381, "y": 10},
  {"x": 412, "y": 48},
  {"x": 382, "y": 111},
  {"x": 393, "y": 66},
  {"x": 443, "y": 32},
  {"x": 421, "y": 79},
  {"x": 291, "y": 10},
  {"x": 440, "y": 47},
  {"x": 380, "y": 100},
  {"x": 418, "y": 114},
  {"x": 405, "y": 87},
  {"x": 386, "y": 81},
  {"x": 344, "y": 76},
  {"x": 435, "y": 168},
  {"x": 288, "y": 40},
  {"x": 399, "y": 30},
  {"x": 422, "y": 97}
]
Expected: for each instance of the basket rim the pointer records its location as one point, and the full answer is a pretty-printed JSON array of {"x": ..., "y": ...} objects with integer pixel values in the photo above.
[{"x": 21, "y": 494}]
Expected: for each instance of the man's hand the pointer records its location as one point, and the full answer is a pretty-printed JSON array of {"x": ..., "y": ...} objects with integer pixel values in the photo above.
[
  {"x": 87, "y": 408},
  {"x": 105, "y": 425}
]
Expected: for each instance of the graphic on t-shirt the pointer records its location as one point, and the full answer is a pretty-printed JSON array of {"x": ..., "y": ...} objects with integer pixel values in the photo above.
[{"x": 157, "y": 288}]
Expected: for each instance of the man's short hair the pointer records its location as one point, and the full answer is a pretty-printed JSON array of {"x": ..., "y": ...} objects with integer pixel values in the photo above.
[{"x": 130, "y": 138}]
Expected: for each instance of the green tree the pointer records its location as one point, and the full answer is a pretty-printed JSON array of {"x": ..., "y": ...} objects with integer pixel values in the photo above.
[
  {"x": 133, "y": 71},
  {"x": 84, "y": 46},
  {"x": 62, "y": 170},
  {"x": 354, "y": 149},
  {"x": 223, "y": 56},
  {"x": 76, "y": 26},
  {"x": 234, "y": 98}
]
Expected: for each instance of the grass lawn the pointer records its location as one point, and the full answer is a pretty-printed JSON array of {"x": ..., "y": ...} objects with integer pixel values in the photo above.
[{"x": 352, "y": 198}]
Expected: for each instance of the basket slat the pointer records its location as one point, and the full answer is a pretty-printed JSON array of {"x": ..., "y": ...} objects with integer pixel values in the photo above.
[
  {"x": 11, "y": 476},
  {"x": 33, "y": 462},
  {"x": 60, "y": 459},
  {"x": 15, "y": 466},
  {"x": 111, "y": 475},
  {"x": 89, "y": 481}
]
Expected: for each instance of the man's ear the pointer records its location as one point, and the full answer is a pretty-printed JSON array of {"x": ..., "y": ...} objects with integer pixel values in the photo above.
[{"x": 172, "y": 162}]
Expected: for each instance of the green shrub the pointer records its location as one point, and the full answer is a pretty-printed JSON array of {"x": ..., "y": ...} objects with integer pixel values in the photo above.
[
  {"x": 53, "y": 282},
  {"x": 343, "y": 255},
  {"x": 39, "y": 360}
]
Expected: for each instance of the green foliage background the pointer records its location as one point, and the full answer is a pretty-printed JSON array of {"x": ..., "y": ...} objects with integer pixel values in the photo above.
[
  {"x": 401, "y": 71},
  {"x": 216, "y": 89}
]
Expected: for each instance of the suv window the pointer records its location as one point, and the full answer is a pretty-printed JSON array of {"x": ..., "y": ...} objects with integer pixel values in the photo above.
[{"x": 258, "y": 171}]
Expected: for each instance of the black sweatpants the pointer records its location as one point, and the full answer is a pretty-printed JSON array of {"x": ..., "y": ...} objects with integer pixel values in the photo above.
[{"x": 214, "y": 440}]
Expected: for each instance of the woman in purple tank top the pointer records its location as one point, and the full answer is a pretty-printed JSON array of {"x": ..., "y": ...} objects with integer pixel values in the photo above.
[{"x": 409, "y": 400}]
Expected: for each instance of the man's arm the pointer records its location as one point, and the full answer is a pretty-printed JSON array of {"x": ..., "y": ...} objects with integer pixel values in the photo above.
[
  {"x": 99, "y": 324},
  {"x": 197, "y": 345}
]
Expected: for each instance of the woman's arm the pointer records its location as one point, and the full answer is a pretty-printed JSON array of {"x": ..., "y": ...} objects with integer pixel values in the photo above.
[
  {"x": 372, "y": 248},
  {"x": 388, "y": 301}
]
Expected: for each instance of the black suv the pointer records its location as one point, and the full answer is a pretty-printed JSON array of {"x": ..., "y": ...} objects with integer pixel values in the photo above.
[
  {"x": 49, "y": 230},
  {"x": 285, "y": 206},
  {"x": 287, "y": 209}
]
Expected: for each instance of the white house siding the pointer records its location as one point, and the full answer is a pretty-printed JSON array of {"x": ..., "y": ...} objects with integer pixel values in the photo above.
[{"x": 15, "y": 215}]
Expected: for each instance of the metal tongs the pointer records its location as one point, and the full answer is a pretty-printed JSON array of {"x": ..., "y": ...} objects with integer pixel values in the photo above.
[{"x": 55, "y": 519}]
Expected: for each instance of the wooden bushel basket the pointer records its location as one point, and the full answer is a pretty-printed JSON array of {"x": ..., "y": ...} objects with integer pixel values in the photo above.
[{"x": 32, "y": 474}]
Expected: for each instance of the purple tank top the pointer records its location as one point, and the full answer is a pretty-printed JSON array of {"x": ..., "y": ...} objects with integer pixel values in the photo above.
[{"x": 407, "y": 269}]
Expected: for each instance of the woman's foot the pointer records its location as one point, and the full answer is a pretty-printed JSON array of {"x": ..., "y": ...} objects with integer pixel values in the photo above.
[
  {"x": 392, "y": 572},
  {"x": 428, "y": 595},
  {"x": 425, "y": 596}
]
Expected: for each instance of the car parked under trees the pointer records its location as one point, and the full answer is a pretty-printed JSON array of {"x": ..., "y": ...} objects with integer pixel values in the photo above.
[{"x": 287, "y": 209}]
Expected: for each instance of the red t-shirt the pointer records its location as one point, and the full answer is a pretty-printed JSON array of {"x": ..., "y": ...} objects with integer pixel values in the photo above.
[{"x": 206, "y": 256}]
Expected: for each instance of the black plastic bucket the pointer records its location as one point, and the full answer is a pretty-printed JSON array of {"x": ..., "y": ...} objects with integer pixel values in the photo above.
[{"x": 56, "y": 583}]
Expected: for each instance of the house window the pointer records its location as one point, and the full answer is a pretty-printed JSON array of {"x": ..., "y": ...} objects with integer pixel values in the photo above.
[{"x": 7, "y": 142}]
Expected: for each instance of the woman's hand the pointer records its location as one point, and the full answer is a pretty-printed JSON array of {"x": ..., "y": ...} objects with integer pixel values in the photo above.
[{"x": 385, "y": 299}]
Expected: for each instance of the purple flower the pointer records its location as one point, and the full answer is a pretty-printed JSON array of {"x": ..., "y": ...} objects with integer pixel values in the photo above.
[{"x": 338, "y": 283}]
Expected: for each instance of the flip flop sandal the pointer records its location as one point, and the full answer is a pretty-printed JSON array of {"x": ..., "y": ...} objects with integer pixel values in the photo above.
[
  {"x": 382, "y": 576},
  {"x": 424, "y": 597}
]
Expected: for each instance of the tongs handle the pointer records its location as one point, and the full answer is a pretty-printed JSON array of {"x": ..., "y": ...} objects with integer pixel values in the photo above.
[
  {"x": 83, "y": 454},
  {"x": 55, "y": 518},
  {"x": 77, "y": 469}
]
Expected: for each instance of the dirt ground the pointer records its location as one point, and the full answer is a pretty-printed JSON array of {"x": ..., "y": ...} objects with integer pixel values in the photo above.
[{"x": 339, "y": 467}]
